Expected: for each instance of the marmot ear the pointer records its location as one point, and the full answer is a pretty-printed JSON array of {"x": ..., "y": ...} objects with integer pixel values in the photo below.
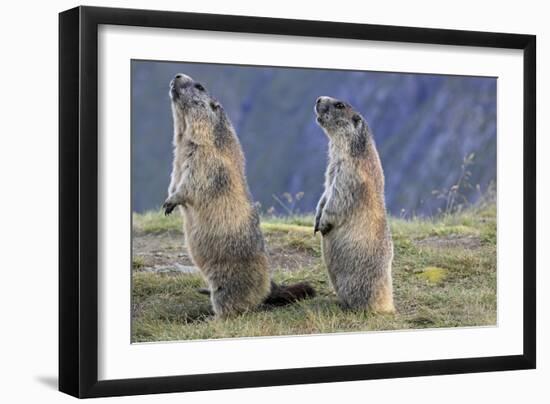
[
  {"x": 356, "y": 120},
  {"x": 214, "y": 105}
]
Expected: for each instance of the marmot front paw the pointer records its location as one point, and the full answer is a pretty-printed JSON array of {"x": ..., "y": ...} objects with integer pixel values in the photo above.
[
  {"x": 324, "y": 227},
  {"x": 168, "y": 207}
]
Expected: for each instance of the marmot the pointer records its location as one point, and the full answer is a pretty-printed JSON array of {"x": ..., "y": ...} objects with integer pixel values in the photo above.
[
  {"x": 351, "y": 214},
  {"x": 222, "y": 226}
]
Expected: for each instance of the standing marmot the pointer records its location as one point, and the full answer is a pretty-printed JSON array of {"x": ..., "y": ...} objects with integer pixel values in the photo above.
[
  {"x": 351, "y": 215},
  {"x": 222, "y": 226}
]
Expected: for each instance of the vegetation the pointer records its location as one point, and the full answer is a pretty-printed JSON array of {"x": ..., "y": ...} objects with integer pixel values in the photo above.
[{"x": 444, "y": 276}]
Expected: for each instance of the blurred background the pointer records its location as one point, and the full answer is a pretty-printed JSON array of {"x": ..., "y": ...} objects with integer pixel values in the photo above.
[{"x": 436, "y": 134}]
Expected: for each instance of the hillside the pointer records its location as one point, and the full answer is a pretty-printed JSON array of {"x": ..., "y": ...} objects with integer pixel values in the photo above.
[
  {"x": 444, "y": 276},
  {"x": 424, "y": 125}
]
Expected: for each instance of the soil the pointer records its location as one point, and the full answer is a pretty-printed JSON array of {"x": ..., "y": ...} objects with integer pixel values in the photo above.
[
  {"x": 166, "y": 253},
  {"x": 453, "y": 241}
]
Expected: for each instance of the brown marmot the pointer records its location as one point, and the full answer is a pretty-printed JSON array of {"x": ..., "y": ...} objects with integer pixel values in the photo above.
[
  {"x": 351, "y": 214},
  {"x": 221, "y": 224}
]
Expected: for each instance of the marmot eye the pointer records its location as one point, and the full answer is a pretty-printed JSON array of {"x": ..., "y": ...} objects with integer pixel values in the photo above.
[
  {"x": 199, "y": 87},
  {"x": 339, "y": 105}
]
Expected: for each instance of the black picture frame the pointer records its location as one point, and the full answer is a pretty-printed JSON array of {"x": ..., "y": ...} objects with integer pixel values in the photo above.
[{"x": 78, "y": 201}]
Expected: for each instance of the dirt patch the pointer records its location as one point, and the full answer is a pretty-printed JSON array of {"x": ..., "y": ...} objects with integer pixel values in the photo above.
[
  {"x": 290, "y": 254},
  {"x": 452, "y": 241},
  {"x": 159, "y": 252},
  {"x": 166, "y": 252},
  {"x": 285, "y": 260}
]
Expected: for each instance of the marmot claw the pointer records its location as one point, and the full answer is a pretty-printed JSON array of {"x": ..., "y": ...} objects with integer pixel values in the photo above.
[{"x": 168, "y": 208}]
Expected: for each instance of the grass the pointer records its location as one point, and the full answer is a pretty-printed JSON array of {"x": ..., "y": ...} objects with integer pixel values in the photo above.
[
  {"x": 156, "y": 222},
  {"x": 444, "y": 274}
]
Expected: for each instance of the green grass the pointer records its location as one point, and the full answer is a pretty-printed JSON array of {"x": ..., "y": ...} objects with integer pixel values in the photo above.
[
  {"x": 156, "y": 222},
  {"x": 444, "y": 273}
]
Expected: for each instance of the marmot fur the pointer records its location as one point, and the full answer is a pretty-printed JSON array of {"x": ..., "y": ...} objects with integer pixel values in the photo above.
[
  {"x": 222, "y": 226},
  {"x": 351, "y": 214}
]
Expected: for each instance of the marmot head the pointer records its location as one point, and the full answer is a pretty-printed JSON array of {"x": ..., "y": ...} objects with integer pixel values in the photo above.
[
  {"x": 345, "y": 128},
  {"x": 193, "y": 107}
]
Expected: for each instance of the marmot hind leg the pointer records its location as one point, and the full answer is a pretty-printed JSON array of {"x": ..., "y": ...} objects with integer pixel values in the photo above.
[
  {"x": 239, "y": 296},
  {"x": 377, "y": 297},
  {"x": 381, "y": 300}
]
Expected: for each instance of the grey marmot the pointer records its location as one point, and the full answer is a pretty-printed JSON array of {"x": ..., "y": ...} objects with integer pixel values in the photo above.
[
  {"x": 351, "y": 214},
  {"x": 221, "y": 223}
]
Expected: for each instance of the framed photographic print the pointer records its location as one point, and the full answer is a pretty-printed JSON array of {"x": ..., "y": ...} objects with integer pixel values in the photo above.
[{"x": 251, "y": 201}]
